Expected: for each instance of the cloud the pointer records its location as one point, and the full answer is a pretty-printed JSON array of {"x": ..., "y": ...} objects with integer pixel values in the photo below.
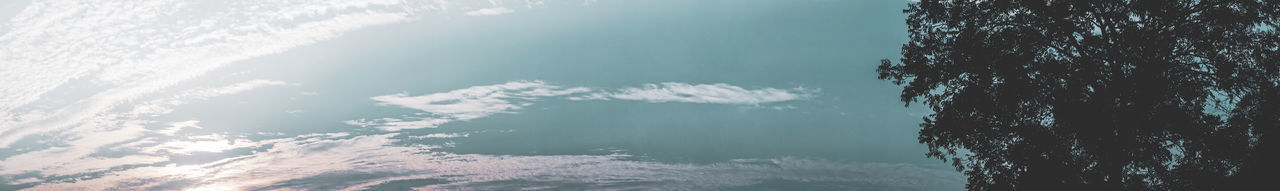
[
  {"x": 202, "y": 94},
  {"x": 490, "y": 11},
  {"x": 396, "y": 124},
  {"x": 442, "y": 135},
  {"x": 178, "y": 126},
  {"x": 213, "y": 143},
  {"x": 76, "y": 155},
  {"x": 165, "y": 105},
  {"x": 315, "y": 161},
  {"x": 128, "y": 52},
  {"x": 361, "y": 162},
  {"x": 465, "y": 104},
  {"x": 702, "y": 93},
  {"x": 113, "y": 53},
  {"x": 132, "y": 49},
  {"x": 78, "y": 151},
  {"x": 481, "y": 101}
]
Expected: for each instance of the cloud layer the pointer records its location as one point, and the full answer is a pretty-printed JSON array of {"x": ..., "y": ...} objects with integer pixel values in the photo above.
[
  {"x": 362, "y": 162},
  {"x": 704, "y": 93},
  {"x": 357, "y": 162},
  {"x": 118, "y": 51},
  {"x": 480, "y": 101},
  {"x": 131, "y": 49},
  {"x": 490, "y": 11},
  {"x": 127, "y": 61},
  {"x": 464, "y": 104},
  {"x": 111, "y": 58}
]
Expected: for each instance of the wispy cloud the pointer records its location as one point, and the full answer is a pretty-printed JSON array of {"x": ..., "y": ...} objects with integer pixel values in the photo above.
[
  {"x": 442, "y": 135},
  {"x": 703, "y": 93},
  {"x": 136, "y": 48},
  {"x": 213, "y": 143},
  {"x": 478, "y": 101},
  {"x": 179, "y": 126},
  {"x": 311, "y": 161},
  {"x": 481, "y": 101},
  {"x": 465, "y": 104},
  {"x": 130, "y": 50},
  {"x": 83, "y": 141},
  {"x": 490, "y": 11}
]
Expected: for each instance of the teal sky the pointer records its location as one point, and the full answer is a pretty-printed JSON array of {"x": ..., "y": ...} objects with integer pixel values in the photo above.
[{"x": 470, "y": 95}]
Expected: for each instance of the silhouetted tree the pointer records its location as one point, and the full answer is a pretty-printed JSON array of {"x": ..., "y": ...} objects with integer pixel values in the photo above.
[{"x": 1095, "y": 95}]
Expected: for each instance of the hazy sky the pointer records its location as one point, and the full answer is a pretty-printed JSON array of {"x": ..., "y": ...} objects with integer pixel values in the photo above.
[{"x": 417, "y": 94}]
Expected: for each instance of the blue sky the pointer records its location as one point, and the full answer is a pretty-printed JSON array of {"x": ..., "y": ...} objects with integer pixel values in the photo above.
[{"x": 400, "y": 94}]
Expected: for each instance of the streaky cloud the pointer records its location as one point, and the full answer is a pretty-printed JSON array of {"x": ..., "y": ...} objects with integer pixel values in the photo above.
[
  {"x": 465, "y": 104},
  {"x": 130, "y": 51},
  {"x": 308, "y": 160},
  {"x": 80, "y": 143},
  {"x": 127, "y": 50},
  {"x": 718, "y": 93},
  {"x": 478, "y": 101},
  {"x": 442, "y": 135},
  {"x": 481, "y": 101},
  {"x": 490, "y": 11},
  {"x": 135, "y": 48}
]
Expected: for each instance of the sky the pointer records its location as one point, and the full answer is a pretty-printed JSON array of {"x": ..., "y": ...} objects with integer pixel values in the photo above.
[{"x": 457, "y": 95}]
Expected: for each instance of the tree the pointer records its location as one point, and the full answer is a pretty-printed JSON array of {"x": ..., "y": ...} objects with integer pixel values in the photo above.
[{"x": 1094, "y": 95}]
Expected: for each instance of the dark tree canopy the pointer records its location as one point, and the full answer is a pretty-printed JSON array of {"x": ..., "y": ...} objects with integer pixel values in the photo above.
[{"x": 1096, "y": 95}]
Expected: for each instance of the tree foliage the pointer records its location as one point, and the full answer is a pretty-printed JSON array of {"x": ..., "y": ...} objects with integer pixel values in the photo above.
[{"x": 1096, "y": 95}]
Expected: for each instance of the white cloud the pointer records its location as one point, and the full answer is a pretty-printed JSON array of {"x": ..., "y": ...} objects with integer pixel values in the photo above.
[
  {"x": 202, "y": 94},
  {"x": 83, "y": 140},
  {"x": 307, "y": 160},
  {"x": 490, "y": 11},
  {"x": 213, "y": 143},
  {"x": 465, "y": 104},
  {"x": 76, "y": 156},
  {"x": 178, "y": 126},
  {"x": 481, "y": 101},
  {"x": 165, "y": 105},
  {"x": 131, "y": 49},
  {"x": 297, "y": 163},
  {"x": 396, "y": 124},
  {"x": 116, "y": 52},
  {"x": 702, "y": 93},
  {"x": 442, "y": 135},
  {"x": 123, "y": 51}
]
